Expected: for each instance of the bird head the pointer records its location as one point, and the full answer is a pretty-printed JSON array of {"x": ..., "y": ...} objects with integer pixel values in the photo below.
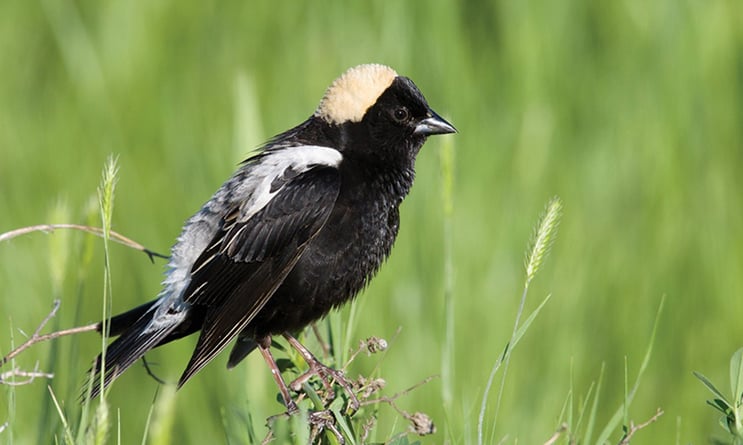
[{"x": 379, "y": 113}]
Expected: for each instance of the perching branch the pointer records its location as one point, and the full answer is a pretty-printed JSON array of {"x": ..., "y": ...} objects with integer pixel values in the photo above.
[
  {"x": 30, "y": 376},
  {"x": 635, "y": 428},
  {"x": 48, "y": 228},
  {"x": 37, "y": 338}
]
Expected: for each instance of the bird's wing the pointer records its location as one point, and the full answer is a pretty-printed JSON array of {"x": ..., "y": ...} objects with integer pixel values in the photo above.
[{"x": 252, "y": 253}]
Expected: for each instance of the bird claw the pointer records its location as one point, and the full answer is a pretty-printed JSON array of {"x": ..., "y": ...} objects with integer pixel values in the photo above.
[
  {"x": 326, "y": 374},
  {"x": 321, "y": 420},
  {"x": 291, "y": 407}
]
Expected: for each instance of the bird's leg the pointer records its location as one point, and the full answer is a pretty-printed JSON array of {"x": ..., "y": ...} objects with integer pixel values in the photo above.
[
  {"x": 264, "y": 345},
  {"x": 325, "y": 373}
]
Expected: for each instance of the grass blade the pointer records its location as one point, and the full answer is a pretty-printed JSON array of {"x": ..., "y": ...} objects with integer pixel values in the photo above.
[
  {"x": 615, "y": 419},
  {"x": 594, "y": 408}
]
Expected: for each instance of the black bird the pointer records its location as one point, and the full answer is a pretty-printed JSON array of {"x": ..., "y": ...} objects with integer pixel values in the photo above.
[{"x": 299, "y": 229}]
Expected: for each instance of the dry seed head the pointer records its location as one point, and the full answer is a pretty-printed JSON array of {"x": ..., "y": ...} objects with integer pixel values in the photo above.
[
  {"x": 421, "y": 424},
  {"x": 372, "y": 386},
  {"x": 375, "y": 344}
]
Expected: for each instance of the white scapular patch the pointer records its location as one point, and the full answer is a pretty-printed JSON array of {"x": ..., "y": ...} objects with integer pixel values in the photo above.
[
  {"x": 250, "y": 189},
  {"x": 257, "y": 189},
  {"x": 350, "y": 95}
]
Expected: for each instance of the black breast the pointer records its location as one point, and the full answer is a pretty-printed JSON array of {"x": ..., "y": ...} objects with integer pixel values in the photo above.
[{"x": 345, "y": 255}]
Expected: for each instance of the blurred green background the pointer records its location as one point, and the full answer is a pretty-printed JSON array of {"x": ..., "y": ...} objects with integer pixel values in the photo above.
[{"x": 630, "y": 111}]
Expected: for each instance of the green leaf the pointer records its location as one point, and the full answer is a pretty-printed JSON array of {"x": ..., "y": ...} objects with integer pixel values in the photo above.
[
  {"x": 736, "y": 376},
  {"x": 614, "y": 421},
  {"x": 711, "y": 387},
  {"x": 719, "y": 405},
  {"x": 594, "y": 409},
  {"x": 341, "y": 421},
  {"x": 313, "y": 396},
  {"x": 522, "y": 329}
]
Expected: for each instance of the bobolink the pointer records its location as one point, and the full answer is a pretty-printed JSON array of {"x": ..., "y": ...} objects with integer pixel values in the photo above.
[{"x": 299, "y": 229}]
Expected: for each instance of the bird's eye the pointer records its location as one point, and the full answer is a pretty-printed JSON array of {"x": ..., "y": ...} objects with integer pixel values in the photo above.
[{"x": 401, "y": 114}]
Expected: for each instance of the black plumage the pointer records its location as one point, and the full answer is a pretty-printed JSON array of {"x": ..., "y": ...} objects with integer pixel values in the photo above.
[{"x": 299, "y": 229}]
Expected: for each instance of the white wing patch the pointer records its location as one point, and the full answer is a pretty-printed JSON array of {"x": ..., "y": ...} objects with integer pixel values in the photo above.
[
  {"x": 250, "y": 189},
  {"x": 259, "y": 187},
  {"x": 350, "y": 95}
]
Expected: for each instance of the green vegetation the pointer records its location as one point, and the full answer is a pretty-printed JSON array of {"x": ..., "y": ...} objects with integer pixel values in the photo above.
[
  {"x": 630, "y": 111},
  {"x": 732, "y": 419}
]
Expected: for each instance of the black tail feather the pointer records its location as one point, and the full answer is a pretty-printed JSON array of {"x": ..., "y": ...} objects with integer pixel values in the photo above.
[
  {"x": 134, "y": 341},
  {"x": 121, "y": 322}
]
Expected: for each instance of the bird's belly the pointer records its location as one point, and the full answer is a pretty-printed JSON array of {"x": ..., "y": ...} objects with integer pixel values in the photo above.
[{"x": 336, "y": 265}]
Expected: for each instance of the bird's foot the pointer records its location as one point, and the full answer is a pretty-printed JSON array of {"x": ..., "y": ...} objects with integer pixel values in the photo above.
[
  {"x": 327, "y": 375},
  {"x": 322, "y": 420},
  {"x": 291, "y": 405}
]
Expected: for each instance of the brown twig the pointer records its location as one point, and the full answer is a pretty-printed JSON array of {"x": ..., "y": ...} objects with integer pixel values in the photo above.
[
  {"x": 552, "y": 440},
  {"x": 364, "y": 345},
  {"x": 324, "y": 420},
  {"x": 371, "y": 345},
  {"x": 268, "y": 439},
  {"x": 29, "y": 375},
  {"x": 366, "y": 429},
  {"x": 36, "y": 338},
  {"x": 635, "y": 428},
  {"x": 48, "y": 228},
  {"x": 420, "y": 423},
  {"x": 391, "y": 399}
]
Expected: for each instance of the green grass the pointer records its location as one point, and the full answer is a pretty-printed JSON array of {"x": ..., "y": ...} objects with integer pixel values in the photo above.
[{"x": 629, "y": 111}]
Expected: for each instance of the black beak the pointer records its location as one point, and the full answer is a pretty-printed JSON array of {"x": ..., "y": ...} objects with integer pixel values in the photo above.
[{"x": 434, "y": 124}]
